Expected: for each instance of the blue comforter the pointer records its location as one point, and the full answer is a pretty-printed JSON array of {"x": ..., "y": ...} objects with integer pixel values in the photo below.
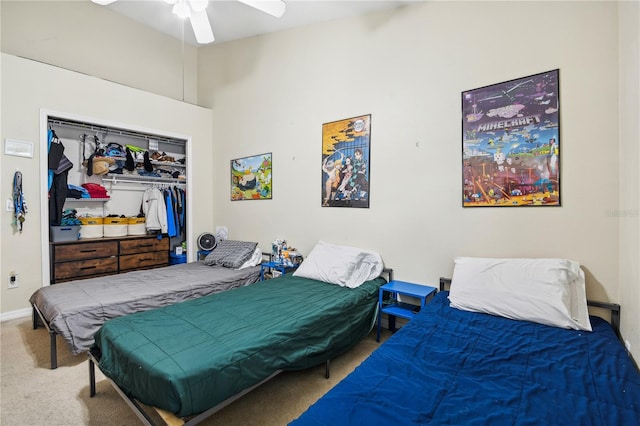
[{"x": 448, "y": 366}]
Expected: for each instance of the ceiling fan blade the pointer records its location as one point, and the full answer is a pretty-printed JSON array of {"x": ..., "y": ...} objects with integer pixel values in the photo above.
[
  {"x": 103, "y": 2},
  {"x": 272, "y": 7},
  {"x": 201, "y": 26}
]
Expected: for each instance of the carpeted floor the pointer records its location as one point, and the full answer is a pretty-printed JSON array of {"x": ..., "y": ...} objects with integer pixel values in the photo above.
[{"x": 32, "y": 394}]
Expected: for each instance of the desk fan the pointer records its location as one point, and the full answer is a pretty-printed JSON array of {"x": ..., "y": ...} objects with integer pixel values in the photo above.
[{"x": 206, "y": 241}]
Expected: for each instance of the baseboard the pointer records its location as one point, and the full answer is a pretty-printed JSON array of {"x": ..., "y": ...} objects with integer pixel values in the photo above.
[{"x": 21, "y": 313}]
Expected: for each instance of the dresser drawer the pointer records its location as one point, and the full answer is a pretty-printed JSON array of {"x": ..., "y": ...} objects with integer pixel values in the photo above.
[
  {"x": 143, "y": 245},
  {"x": 144, "y": 260},
  {"x": 82, "y": 251},
  {"x": 84, "y": 268}
]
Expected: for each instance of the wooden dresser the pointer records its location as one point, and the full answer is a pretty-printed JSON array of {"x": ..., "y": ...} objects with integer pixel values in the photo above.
[{"x": 87, "y": 258}]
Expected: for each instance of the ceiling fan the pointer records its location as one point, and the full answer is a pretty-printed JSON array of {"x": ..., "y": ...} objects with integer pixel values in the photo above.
[{"x": 196, "y": 11}]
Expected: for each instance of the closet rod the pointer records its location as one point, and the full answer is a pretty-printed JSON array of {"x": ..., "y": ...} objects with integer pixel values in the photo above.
[
  {"x": 114, "y": 180},
  {"x": 121, "y": 132}
]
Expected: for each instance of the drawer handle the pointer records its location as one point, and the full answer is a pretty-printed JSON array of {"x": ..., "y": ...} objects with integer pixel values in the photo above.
[
  {"x": 88, "y": 251},
  {"x": 145, "y": 259},
  {"x": 146, "y": 245},
  {"x": 88, "y": 267}
]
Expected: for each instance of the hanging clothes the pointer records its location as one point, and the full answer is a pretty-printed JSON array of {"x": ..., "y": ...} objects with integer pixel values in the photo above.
[
  {"x": 154, "y": 209},
  {"x": 50, "y": 135},
  {"x": 56, "y": 150},
  {"x": 179, "y": 208},
  {"x": 183, "y": 210},
  {"x": 171, "y": 218},
  {"x": 59, "y": 166},
  {"x": 178, "y": 199},
  {"x": 57, "y": 197}
]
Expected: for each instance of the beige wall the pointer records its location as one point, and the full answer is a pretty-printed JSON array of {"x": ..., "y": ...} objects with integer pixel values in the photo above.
[
  {"x": 85, "y": 37},
  {"x": 629, "y": 141},
  {"x": 30, "y": 87},
  {"x": 407, "y": 68}
]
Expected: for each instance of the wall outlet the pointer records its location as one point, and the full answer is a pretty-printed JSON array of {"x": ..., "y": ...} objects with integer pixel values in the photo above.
[
  {"x": 9, "y": 205},
  {"x": 13, "y": 280}
]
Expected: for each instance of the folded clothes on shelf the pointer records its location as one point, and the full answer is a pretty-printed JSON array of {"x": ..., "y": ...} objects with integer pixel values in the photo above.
[{"x": 96, "y": 190}]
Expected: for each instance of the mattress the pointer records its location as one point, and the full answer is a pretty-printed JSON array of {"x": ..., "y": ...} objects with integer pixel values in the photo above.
[
  {"x": 448, "y": 366},
  {"x": 189, "y": 357},
  {"x": 77, "y": 309}
]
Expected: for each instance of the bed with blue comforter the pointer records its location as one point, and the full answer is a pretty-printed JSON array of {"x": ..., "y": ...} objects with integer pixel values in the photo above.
[{"x": 450, "y": 366}]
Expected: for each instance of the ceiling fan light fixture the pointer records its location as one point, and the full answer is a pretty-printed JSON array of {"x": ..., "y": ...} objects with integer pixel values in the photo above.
[
  {"x": 196, "y": 11},
  {"x": 181, "y": 8},
  {"x": 198, "y": 5}
]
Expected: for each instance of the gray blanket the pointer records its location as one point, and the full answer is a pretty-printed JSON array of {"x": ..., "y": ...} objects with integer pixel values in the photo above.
[{"x": 77, "y": 309}]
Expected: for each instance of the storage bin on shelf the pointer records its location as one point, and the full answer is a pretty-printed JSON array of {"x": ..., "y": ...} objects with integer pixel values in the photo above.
[
  {"x": 115, "y": 226},
  {"x": 136, "y": 226},
  {"x": 91, "y": 227},
  {"x": 59, "y": 234}
]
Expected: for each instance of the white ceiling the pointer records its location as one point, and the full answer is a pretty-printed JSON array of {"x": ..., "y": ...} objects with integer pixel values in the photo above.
[{"x": 232, "y": 20}]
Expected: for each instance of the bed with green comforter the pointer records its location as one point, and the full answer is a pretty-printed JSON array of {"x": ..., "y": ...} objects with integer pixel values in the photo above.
[{"x": 189, "y": 357}]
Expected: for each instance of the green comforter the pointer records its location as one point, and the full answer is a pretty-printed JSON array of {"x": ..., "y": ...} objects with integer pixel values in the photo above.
[{"x": 189, "y": 357}]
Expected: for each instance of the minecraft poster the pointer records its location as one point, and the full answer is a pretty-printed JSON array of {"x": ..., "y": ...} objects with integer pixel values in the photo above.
[
  {"x": 511, "y": 143},
  {"x": 345, "y": 162}
]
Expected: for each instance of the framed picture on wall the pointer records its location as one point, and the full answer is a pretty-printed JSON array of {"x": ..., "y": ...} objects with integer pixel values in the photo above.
[
  {"x": 251, "y": 178},
  {"x": 511, "y": 143},
  {"x": 345, "y": 162}
]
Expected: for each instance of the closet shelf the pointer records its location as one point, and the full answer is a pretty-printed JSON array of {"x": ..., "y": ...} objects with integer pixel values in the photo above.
[
  {"x": 154, "y": 162},
  {"x": 86, "y": 200},
  {"x": 118, "y": 178},
  {"x": 109, "y": 130}
]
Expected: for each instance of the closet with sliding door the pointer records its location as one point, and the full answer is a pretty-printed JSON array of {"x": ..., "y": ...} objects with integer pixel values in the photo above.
[{"x": 117, "y": 199}]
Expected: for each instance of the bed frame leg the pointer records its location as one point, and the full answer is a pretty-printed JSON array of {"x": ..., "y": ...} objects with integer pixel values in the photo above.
[
  {"x": 54, "y": 356},
  {"x": 326, "y": 369},
  {"x": 92, "y": 378},
  {"x": 34, "y": 318}
]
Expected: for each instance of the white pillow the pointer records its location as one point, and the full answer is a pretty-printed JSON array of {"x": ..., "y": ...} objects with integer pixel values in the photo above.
[
  {"x": 545, "y": 291},
  {"x": 341, "y": 265},
  {"x": 254, "y": 260}
]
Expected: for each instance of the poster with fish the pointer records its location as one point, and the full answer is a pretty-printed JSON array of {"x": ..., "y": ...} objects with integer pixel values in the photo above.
[
  {"x": 511, "y": 143},
  {"x": 345, "y": 162},
  {"x": 251, "y": 178}
]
